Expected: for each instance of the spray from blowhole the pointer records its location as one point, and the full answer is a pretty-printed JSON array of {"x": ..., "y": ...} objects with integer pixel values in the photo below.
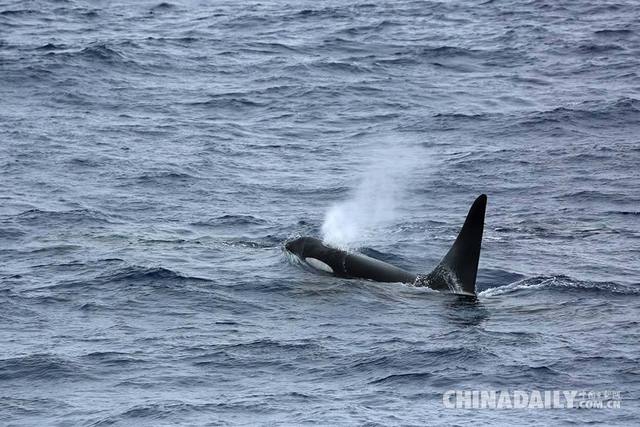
[{"x": 373, "y": 202}]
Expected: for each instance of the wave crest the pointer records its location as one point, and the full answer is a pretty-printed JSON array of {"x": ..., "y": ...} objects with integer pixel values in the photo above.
[{"x": 562, "y": 284}]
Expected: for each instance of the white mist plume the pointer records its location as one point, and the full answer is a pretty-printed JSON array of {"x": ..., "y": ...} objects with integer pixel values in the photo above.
[{"x": 373, "y": 202}]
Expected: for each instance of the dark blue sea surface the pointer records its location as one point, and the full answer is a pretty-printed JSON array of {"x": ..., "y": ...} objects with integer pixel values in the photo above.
[{"x": 154, "y": 157}]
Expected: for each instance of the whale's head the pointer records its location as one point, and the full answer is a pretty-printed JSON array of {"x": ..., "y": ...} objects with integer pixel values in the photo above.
[
  {"x": 312, "y": 252},
  {"x": 304, "y": 247},
  {"x": 296, "y": 246}
]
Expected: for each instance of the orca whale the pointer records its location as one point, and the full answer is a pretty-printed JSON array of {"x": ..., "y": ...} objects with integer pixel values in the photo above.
[{"x": 456, "y": 273}]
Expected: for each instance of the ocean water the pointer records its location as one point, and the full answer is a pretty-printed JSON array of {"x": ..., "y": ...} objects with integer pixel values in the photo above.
[{"x": 154, "y": 157}]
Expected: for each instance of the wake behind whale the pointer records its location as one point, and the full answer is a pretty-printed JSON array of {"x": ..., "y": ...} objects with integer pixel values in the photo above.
[{"x": 456, "y": 273}]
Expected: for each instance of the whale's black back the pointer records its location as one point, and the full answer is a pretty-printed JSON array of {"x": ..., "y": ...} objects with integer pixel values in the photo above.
[{"x": 349, "y": 264}]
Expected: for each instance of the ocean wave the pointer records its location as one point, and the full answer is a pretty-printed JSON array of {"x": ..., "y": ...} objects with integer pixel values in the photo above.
[
  {"x": 495, "y": 277},
  {"x": 89, "y": 13},
  {"x": 375, "y": 362},
  {"x": 271, "y": 47},
  {"x": 636, "y": 213},
  {"x": 450, "y": 52},
  {"x": 597, "y": 196},
  {"x": 181, "y": 40},
  {"x": 403, "y": 379},
  {"x": 258, "y": 353},
  {"x": 160, "y": 410},
  {"x": 558, "y": 230},
  {"x": 598, "y": 48},
  {"x": 26, "y": 407},
  {"x": 373, "y": 28},
  {"x": 328, "y": 12},
  {"x": 452, "y": 121},
  {"x": 85, "y": 162},
  {"x": 19, "y": 12},
  {"x": 99, "y": 54},
  {"x": 349, "y": 67},
  {"x": 462, "y": 116},
  {"x": 229, "y": 102},
  {"x": 40, "y": 217},
  {"x": 37, "y": 367},
  {"x": 561, "y": 284},
  {"x": 137, "y": 273},
  {"x": 130, "y": 275},
  {"x": 622, "y": 109},
  {"x": 270, "y": 346},
  {"x": 51, "y": 46},
  {"x": 103, "y": 52},
  {"x": 231, "y": 220},
  {"x": 163, "y": 6},
  {"x": 609, "y": 32},
  {"x": 55, "y": 250},
  {"x": 112, "y": 358},
  {"x": 268, "y": 241},
  {"x": 165, "y": 176},
  {"x": 11, "y": 233},
  {"x": 523, "y": 373}
]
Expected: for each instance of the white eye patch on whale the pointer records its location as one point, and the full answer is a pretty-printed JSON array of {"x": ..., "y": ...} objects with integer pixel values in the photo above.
[{"x": 318, "y": 265}]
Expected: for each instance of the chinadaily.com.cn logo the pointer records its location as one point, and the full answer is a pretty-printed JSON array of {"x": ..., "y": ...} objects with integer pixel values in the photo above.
[{"x": 531, "y": 399}]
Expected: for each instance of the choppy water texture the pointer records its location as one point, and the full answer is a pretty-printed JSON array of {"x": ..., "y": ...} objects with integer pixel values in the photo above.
[{"x": 155, "y": 156}]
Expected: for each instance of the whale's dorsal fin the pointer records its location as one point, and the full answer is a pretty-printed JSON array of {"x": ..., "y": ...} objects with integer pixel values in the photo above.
[{"x": 458, "y": 269}]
